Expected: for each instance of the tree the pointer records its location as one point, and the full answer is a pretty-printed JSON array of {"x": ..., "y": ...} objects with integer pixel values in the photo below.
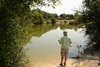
[
  {"x": 63, "y": 16},
  {"x": 53, "y": 20},
  {"x": 14, "y": 17},
  {"x": 91, "y": 14},
  {"x": 37, "y": 16},
  {"x": 78, "y": 17},
  {"x": 56, "y": 16},
  {"x": 69, "y": 16}
]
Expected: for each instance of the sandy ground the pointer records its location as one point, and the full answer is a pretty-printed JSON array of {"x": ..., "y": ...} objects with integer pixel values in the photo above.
[{"x": 84, "y": 61}]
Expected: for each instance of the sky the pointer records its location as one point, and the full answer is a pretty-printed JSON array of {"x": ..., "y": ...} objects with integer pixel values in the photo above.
[{"x": 67, "y": 7}]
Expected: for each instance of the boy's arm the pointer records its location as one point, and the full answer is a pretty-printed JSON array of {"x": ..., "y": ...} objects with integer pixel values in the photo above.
[
  {"x": 70, "y": 42},
  {"x": 59, "y": 41}
]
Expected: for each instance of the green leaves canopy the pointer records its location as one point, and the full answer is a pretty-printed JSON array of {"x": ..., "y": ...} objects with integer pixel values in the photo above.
[
  {"x": 91, "y": 13},
  {"x": 14, "y": 21}
]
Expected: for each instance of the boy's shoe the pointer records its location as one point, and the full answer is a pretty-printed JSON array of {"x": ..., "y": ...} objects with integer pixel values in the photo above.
[
  {"x": 64, "y": 63},
  {"x": 61, "y": 64},
  {"x": 98, "y": 63}
]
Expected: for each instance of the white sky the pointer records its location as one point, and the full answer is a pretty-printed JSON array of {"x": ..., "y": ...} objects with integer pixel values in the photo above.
[{"x": 67, "y": 7}]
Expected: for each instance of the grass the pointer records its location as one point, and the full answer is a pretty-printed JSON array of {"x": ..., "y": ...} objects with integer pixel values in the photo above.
[{"x": 62, "y": 21}]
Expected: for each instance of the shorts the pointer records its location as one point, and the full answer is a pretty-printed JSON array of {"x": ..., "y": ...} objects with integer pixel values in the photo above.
[{"x": 64, "y": 52}]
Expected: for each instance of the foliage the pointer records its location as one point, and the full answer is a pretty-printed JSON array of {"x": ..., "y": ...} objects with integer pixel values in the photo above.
[
  {"x": 66, "y": 16},
  {"x": 15, "y": 17},
  {"x": 48, "y": 16},
  {"x": 56, "y": 16},
  {"x": 37, "y": 17},
  {"x": 63, "y": 16},
  {"x": 91, "y": 13},
  {"x": 11, "y": 45},
  {"x": 69, "y": 16},
  {"x": 78, "y": 18},
  {"x": 53, "y": 20}
]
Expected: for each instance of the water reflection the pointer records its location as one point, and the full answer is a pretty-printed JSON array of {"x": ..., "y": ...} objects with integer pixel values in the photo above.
[
  {"x": 39, "y": 30},
  {"x": 45, "y": 47}
]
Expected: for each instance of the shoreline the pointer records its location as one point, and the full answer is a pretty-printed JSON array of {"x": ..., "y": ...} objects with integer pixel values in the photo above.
[{"x": 83, "y": 61}]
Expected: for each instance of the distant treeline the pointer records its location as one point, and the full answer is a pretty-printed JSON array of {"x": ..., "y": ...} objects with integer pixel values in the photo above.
[{"x": 39, "y": 16}]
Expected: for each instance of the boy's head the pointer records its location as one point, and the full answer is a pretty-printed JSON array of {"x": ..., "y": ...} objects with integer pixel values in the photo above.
[{"x": 65, "y": 33}]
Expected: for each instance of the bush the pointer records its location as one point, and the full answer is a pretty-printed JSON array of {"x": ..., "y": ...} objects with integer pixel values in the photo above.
[
  {"x": 53, "y": 20},
  {"x": 12, "y": 38}
]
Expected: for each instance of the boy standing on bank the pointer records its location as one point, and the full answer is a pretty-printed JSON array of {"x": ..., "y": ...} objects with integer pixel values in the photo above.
[{"x": 65, "y": 41}]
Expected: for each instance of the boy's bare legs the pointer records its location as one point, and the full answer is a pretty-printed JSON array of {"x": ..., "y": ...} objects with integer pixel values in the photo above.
[
  {"x": 61, "y": 64},
  {"x": 65, "y": 59}
]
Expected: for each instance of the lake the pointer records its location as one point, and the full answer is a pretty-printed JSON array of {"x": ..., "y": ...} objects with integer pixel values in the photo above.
[{"x": 46, "y": 49}]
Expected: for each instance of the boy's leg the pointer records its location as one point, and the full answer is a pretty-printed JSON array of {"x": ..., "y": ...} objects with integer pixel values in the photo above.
[
  {"x": 66, "y": 52},
  {"x": 61, "y": 64},
  {"x": 62, "y": 57},
  {"x": 65, "y": 60}
]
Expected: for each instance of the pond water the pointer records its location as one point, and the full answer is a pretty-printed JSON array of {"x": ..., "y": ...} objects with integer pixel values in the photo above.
[{"x": 45, "y": 49}]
